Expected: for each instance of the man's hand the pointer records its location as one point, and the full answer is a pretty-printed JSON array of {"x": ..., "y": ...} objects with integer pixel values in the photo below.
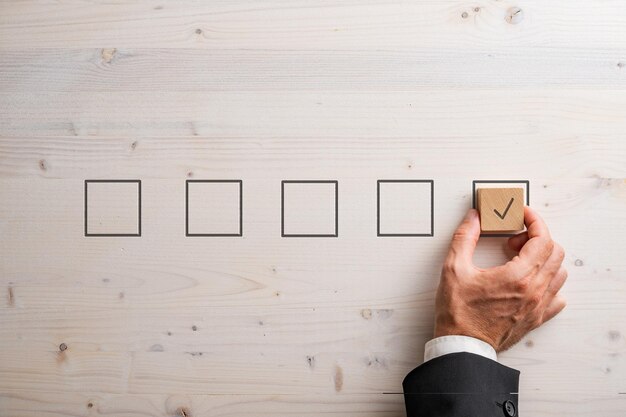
[{"x": 500, "y": 305}]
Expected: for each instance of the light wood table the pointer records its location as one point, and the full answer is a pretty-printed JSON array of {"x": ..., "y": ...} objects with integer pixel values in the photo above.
[{"x": 265, "y": 91}]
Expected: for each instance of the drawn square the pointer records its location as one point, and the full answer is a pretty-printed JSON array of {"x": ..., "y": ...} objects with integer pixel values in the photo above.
[
  {"x": 214, "y": 208},
  {"x": 112, "y": 208},
  {"x": 405, "y": 208},
  {"x": 309, "y": 208},
  {"x": 476, "y": 184}
]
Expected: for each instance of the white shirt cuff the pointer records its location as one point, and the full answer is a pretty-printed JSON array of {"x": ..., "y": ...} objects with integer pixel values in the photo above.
[{"x": 453, "y": 344}]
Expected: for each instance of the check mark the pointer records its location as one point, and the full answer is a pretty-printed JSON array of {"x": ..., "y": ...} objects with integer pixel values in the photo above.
[{"x": 506, "y": 210}]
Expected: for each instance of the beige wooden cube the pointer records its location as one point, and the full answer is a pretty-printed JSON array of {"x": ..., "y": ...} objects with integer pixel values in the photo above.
[{"x": 501, "y": 209}]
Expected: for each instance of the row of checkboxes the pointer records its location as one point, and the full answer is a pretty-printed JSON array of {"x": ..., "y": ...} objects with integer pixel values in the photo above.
[{"x": 309, "y": 208}]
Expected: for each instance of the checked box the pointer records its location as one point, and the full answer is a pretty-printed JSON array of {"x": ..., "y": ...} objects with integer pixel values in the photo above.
[{"x": 501, "y": 205}]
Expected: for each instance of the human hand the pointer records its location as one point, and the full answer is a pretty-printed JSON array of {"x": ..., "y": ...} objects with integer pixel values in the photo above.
[{"x": 500, "y": 305}]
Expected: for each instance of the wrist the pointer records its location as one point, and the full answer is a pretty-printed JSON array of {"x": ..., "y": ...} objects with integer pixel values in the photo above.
[{"x": 449, "y": 328}]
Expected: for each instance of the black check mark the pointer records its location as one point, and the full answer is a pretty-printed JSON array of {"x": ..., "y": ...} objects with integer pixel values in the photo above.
[{"x": 506, "y": 210}]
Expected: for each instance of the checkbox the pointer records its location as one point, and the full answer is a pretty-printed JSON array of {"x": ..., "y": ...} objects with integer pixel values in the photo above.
[
  {"x": 112, "y": 208},
  {"x": 309, "y": 208},
  {"x": 214, "y": 208},
  {"x": 405, "y": 208},
  {"x": 501, "y": 205}
]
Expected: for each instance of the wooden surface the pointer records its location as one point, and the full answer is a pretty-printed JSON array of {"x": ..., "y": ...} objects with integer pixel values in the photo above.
[
  {"x": 353, "y": 91},
  {"x": 501, "y": 209}
]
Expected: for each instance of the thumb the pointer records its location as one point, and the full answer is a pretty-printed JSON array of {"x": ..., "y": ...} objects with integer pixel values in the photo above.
[{"x": 465, "y": 239}]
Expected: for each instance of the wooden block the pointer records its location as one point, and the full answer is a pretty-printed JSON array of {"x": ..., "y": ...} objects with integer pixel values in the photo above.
[{"x": 501, "y": 209}]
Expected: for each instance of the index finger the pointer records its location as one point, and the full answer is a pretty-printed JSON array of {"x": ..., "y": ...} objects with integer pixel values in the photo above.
[
  {"x": 535, "y": 224},
  {"x": 539, "y": 246}
]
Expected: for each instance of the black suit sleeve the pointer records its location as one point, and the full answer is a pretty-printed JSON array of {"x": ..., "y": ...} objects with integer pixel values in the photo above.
[{"x": 461, "y": 385}]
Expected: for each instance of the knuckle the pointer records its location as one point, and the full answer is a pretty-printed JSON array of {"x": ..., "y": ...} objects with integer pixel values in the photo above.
[
  {"x": 560, "y": 252},
  {"x": 535, "y": 299},
  {"x": 449, "y": 267},
  {"x": 453, "y": 267},
  {"x": 513, "y": 268},
  {"x": 549, "y": 245},
  {"x": 516, "y": 318},
  {"x": 459, "y": 234},
  {"x": 522, "y": 284}
]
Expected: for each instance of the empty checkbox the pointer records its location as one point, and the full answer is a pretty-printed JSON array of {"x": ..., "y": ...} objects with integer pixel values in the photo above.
[
  {"x": 309, "y": 208},
  {"x": 214, "y": 208},
  {"x": 112, "y": 208},
  {"x": 405, "y": 207}
]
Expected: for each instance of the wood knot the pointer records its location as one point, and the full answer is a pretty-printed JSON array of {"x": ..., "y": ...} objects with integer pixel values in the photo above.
[
  {"x": 108, "y": 54},
  {"x": 184, "y": 412},
  {"x": 376, "y": 362},
  {"x": 311, "y": 361},
  {"x": 380, "y": 313},
  {"x": 43, "y": 165},
  {"x": 156, "y": 348},
  {"x": 11, "y": 297},
  {"x": 514, "y": 15},
  {"x": 62, "y": 347},
  {"x": 338, "y": 378}
]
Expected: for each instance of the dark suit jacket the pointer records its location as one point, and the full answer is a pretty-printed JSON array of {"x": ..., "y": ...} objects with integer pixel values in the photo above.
[{"x": 461, "y": 385}]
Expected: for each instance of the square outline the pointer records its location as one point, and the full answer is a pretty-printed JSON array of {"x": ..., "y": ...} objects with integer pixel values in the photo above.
[
  {"x": 240, "y": 234},
  {"x": 138, "y": 234},
  {"x": 527, "y": 182},
  {"x": 432, "y": 209},
  {"x": 282, "y": 207}
]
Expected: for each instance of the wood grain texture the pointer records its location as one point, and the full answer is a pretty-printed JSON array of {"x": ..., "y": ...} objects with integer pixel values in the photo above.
[
  {"x": 501, "y": 209},
  {"x": 353, "y": 91},
  {"x": 101, "y": 70},
  {"x": 321, "y": 25}
]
